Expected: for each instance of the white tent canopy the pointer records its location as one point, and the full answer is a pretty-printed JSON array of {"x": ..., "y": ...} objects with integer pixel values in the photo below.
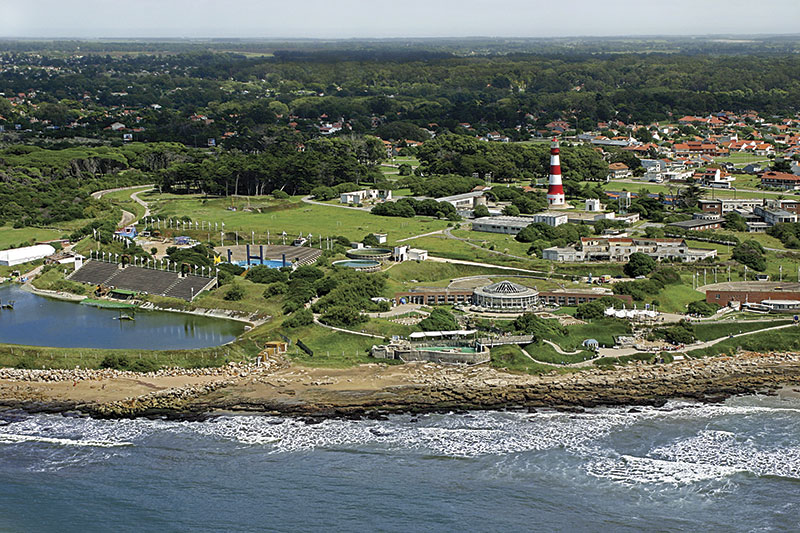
[
  {"x": 438, "y": 334},
  {"x": 17, "y": 256}
]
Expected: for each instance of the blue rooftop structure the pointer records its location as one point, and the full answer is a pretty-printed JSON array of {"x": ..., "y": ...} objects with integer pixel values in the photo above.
[{"x": 128, "y": 231}]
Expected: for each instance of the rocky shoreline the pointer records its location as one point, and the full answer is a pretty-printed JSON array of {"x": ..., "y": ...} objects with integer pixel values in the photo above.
[{"x": 375, "y": 390}]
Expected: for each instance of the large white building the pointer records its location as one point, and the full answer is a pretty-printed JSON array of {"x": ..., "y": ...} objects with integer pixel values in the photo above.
[
  {"x": 513, "y": 225},
  {"x": 505, "y": 296},
  {"x": 17, "y": 256},
  {"x": 621, "y": 248}
]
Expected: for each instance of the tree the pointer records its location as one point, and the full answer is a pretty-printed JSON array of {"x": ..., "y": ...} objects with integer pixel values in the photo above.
[
  {"x": 301, "y": 317},
  {"x": 323, "y": 193},
  {"x": 597, "y": 308},
  {"x": 481, "y": 211},
  {"x": 511, "y": 210},
  {"x": 781, "y": 165},
  {"x": 539, "y": 328},
  {"x": 639, "y": 264},
  {"x": 751, "y": 254},
  {"x": 264, "y": 274},
  {"x": 735, "y": 222},
  {"x": 439, "y": 320},
  {"x": 701, "y": 307},
  {"x": 404, "y": 169},
  {"x": 370, "y": 240}
]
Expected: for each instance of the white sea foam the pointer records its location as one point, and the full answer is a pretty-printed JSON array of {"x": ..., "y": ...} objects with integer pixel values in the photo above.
[
  {"x": 633, "y": 470},
  {"x": 74, "y": 432},
  {"x": 11, "y": 438},
  {"x": 725, "y": 449}
]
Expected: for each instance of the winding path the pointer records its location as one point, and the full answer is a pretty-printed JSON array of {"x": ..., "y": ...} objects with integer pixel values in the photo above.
[
  {"x": 127, "y": 216},
  {"x": 318, "y": 323}
]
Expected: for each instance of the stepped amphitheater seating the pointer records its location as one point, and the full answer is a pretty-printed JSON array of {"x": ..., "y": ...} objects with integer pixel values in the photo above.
[
  {"x": 144, "y": 280},
  {"x": 140, "y": 279},
  {"x": 96, "y": 272},
  {"x": 184, "y": 287}
]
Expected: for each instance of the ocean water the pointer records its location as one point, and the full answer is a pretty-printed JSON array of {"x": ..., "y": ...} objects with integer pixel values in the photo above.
[{"x": 683, "y": 467}]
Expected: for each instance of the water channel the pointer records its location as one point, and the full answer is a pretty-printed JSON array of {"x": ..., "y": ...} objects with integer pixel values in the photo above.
[{"x": 41, "y": 321}]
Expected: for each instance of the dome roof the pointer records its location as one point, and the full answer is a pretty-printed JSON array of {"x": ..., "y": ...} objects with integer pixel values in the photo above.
[{"x": 505, "y": 287}]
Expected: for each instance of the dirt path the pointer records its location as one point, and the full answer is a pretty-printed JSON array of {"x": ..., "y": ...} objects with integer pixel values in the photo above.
[{"x": 127, "y": 217}]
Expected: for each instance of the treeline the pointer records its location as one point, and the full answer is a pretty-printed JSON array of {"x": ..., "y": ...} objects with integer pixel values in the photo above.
[
  {"x": 410, "y": 207},
  {"x": 295, "y": 168},
  {"x": 514, "y": 93},
  {"x": 505, "y": 162},
  {"x": 40, "y": 186}
]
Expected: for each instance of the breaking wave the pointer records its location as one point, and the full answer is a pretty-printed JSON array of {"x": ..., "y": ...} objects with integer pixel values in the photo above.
[{"x": 602, "y": 441}]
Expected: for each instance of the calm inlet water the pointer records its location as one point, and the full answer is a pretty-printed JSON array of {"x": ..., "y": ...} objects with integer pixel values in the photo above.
[
  {"x": 684, "y": 467},
  {"x": 40, "y": 321}
]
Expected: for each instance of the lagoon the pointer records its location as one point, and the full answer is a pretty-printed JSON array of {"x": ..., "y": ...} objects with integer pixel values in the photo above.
[{"x": 40, "y": 321}]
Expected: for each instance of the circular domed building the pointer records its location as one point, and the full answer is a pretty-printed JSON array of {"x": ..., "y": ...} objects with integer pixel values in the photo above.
[{"x": 505, "y": 296}]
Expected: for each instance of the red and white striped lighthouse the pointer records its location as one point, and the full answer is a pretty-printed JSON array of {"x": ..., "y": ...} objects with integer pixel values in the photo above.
[{"x": 555, "y": 192}]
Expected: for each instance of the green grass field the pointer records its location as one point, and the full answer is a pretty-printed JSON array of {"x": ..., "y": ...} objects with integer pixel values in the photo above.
[
  {"x": 292, "y": 216},
  {"x": 781, "y": 340},
  {"x": 512, "y": 359},
  {"x": 14, "y": 237},
  {"x": 547, "y": 354},
  {"x": 707, "y": 331}
]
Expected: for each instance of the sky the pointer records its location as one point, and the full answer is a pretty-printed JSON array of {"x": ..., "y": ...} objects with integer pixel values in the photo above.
[{"x": 390, "y": 19}]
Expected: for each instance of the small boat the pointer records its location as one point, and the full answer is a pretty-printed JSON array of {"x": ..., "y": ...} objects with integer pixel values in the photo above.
[{"x": 8, "y": 305}]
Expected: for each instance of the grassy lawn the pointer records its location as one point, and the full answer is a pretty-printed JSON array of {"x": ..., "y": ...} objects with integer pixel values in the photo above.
[
  {"x": 292, "y": 216},
  {"x": 547, "y": 354},
  {"x": 500, "y": 242},
  {"x": 783, "y": 340},
  {"x": 675, "y": 298},
  {"x": 707, "y": 331},
  {"x": 441, "y": 246},
  {"x": 511, "y": 358},
  {"x": 741, "y": 159},
  {"x": 656, "y": 188},
  {"x": 13, "y": 237},
  {"x": 604, "y": 330}
]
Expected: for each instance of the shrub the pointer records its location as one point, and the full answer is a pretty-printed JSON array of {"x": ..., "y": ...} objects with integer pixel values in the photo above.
[
  {"x": 701, "y": 307},
  {"x": 275, "y": 289},
  {"x": 439, "y": 320},
  {"x": 264, "y": 274},
  {"x": 115, "y": 361},
  {"x": 639, "y": 264},
  {"x": 303, "y": 317},
  {"x": 234, "y": 294},
  {"x": 343, "y": 316}
]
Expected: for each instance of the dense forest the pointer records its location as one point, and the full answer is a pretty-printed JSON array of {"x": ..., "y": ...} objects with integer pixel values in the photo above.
[
  {"x": 39, "y": 186},
  {"x": 245, "y": 102},
  {"x": 246, "y": 117}
]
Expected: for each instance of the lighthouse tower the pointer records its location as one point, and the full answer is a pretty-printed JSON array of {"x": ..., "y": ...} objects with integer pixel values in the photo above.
[{"x": 555, "y": 192}]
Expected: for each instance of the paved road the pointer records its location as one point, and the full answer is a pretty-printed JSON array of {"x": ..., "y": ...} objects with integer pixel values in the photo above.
[
  {"x": 135, "y": 198},
  {"x": 488, "y": 265},
  {"x": 423, "y": 235},
  {"x": 308, "y": 200}
]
